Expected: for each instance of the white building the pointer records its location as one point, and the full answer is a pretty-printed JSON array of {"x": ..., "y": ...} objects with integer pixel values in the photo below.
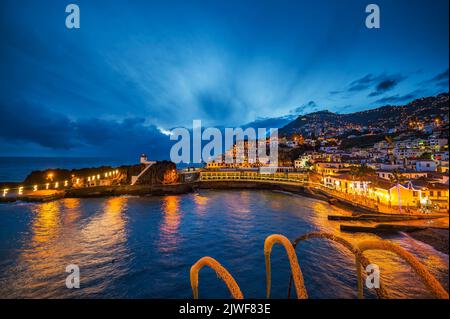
[{"x": 423, "y": 165}]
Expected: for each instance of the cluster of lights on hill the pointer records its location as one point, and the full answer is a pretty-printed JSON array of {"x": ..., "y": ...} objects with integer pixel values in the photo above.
[{"x": 59, "y": 184}]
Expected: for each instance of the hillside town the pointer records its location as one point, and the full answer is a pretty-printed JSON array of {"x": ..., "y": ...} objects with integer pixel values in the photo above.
[
  {"x": 395, "y": 168},
  {"x": 398, "y": 167}
]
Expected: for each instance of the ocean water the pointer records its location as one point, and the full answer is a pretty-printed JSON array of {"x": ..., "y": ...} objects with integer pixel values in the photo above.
[
  {"x": 144, "y": 247},
  {"x": 16, "y": 169}
]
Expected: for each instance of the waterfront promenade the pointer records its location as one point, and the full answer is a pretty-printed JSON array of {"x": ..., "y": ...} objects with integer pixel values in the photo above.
[{"x": 297, "y": 182}]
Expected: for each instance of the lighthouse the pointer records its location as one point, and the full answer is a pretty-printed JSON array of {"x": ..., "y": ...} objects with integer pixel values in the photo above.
[{"x": 143, "y": 159}]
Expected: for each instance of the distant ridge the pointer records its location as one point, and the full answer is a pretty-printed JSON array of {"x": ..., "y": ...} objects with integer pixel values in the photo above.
[{"x": 385, "y": 117}]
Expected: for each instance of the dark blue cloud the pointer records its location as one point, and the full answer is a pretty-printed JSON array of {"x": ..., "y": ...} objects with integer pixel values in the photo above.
[
  {"x": 309, "y": 107},
  {"x": 378, "y": 83},
  {"x": 397, "y": 98},
  {"x": 35, "y": 124},
  {"x": 223, "y": 62},
  {"x": 363, "y": 83},
  {"x": 386, "y": 83},
  {"x": 22, "y": 121},
  {"x": 441, "y": 76},
  {"x": 440, "y": 80}
]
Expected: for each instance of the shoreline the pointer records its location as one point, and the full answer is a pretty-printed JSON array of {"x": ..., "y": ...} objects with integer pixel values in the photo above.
[
  {"x": 437, "y": 238},
  {"x": 188, "y": 187}
]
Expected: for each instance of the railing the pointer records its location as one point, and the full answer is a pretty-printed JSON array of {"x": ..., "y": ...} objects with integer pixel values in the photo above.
[
  {"x": 261, "y": 178},
  {"x": 141, "y": 173},
  {"x": 353, "y": 198},
  {"x": 373, "y": 204}
]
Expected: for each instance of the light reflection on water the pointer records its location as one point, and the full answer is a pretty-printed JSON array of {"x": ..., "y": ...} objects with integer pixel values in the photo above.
[
  {"x": 143, "y": 247},
  {"x": 169, "y": 236}
]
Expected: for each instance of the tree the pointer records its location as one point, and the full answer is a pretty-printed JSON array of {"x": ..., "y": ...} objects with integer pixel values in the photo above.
[
  {"x": 308, "y": 165},
  {"x": 426, "y": 155},
  {"x": 397, "y": 178},
  {"x": 390, "y": 142},
  {"x": 361, "y": 173}
]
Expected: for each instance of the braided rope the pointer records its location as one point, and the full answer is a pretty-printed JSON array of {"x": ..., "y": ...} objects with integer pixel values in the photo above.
[
  {"x": 296, "y": 272},
  {"x": 221, "y": 272},
  {"x": 360, "y": 260},
  {"x": 433, "y": 285}
]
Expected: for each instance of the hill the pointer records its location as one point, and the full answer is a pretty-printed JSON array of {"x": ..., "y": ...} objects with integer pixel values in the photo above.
[{"x": 383, "y": 119}]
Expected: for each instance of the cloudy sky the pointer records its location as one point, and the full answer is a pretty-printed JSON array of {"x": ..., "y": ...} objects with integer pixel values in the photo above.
[{"x": 138, "y": 68}]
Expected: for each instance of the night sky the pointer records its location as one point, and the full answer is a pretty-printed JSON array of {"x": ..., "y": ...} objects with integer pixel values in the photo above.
[{"x": 136, "y": 69}]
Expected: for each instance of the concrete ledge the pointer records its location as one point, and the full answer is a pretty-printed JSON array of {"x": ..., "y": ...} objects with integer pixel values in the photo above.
[{"x": 102, "y": 191}]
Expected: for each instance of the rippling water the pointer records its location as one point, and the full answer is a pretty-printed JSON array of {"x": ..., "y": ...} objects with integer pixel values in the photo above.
[{"x": 143, "y": 247}]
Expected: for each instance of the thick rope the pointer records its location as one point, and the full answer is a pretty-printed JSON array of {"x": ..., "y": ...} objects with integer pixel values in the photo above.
[
  {"x": 292, "y": 256},
  {"x": 435, "y": 287},
  {"x": 360, "y": 260},
  {"x": 221, "y": 272},
  {"x": 296, "y": 275}
]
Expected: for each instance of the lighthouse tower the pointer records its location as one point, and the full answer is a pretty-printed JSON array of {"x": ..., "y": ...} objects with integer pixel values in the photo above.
[{"x": 144, "y": 159}]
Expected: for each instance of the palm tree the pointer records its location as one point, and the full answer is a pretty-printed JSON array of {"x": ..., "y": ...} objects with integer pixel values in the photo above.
[
  {"x": 361, "y": 173},
  {"x": 397, "y": 178},
  {"x": 390, "y": 142},
  {"x": 308, "y": 165}
]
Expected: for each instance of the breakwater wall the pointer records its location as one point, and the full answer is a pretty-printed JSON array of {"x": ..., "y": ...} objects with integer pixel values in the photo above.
[
  {"x": 184, "y": 188},
  {"x": 173, "y": 189},
  {"x": 139, "y": 190}
]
